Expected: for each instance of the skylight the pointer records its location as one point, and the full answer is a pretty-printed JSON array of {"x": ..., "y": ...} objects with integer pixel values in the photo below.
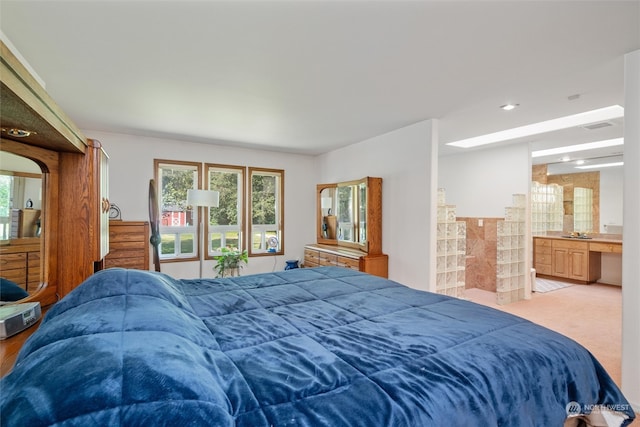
[
  {"x": 602, "y": 165},
  {"x": 580, "y": 119},
  {"x": 578, "y": 147}
]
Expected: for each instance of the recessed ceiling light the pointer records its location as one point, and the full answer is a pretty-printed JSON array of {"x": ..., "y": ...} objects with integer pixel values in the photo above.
[
  {"x": 603, "y": 165},
  {"x": 606, "y": 113},
  {"x": 579, "y": 162},
  {"x": 578, "y": 147},
  {"x": 565, "y": 158},
  {"x": 509, "y": 107}
]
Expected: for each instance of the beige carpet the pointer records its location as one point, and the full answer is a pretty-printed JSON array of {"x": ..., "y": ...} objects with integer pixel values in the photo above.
[{"x": 589, "y": 314}]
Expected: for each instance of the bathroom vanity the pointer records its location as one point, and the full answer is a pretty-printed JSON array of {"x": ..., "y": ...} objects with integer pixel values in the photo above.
[{"x": 573, "y": 258}]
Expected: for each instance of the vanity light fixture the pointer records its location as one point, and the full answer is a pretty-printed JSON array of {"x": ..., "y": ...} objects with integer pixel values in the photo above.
[
  {"x": 509, "y": 107},
  {"x": 580, "y": 119},
  {"x": 602, "y": 165},
  {"x": 578, "y": 147}
]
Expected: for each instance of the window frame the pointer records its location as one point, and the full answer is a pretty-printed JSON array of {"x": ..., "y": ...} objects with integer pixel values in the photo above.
[
  {"x": 201, "y": 170},
  {"x": 279, "y": 211},
  {"x": 242, "y": 209},
  {"x": 176, "y": 257}
]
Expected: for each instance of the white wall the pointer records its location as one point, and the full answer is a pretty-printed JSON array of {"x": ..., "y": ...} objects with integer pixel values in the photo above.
[
  {"x": 406, "y": 160},
  {"x": 482, "y": 183},
  {"x": 131, "y": 168},
  {"x": 33, "y": 191},
  {"x": 631, "y": 233},
  {"x": 611, "y": 188}
]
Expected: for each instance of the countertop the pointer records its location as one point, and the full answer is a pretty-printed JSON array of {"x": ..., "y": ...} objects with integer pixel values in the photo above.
[{"x": 596, "y": 238}]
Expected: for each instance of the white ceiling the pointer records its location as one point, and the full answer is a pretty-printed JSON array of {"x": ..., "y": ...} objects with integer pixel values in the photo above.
[{"x": 311, "y": 76}]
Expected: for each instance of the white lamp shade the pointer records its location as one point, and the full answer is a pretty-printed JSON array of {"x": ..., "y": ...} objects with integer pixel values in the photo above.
[{"x": 203, "y": 198}]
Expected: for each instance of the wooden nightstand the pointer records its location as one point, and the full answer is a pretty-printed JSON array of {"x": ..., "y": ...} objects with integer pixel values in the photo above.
[{"x": 10, "y": 347}]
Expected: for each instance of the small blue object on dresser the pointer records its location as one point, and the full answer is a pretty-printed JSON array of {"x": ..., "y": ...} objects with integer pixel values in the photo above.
[{"x": 291, "y": 264}]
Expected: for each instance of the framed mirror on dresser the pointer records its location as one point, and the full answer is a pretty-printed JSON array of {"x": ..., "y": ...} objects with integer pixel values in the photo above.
[{"x": 349, "y": 227}]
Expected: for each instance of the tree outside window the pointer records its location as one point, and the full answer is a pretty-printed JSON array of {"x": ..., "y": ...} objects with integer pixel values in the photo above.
[
  {"x": 226, "y": 225},
  {"x": 267, "y": 215},
  {"x": 178, "y": 223},
  {"x": 225, "y": 221}
]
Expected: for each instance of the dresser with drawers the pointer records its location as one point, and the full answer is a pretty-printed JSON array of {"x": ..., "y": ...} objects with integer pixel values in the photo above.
[{"x": 128, "y": 245}]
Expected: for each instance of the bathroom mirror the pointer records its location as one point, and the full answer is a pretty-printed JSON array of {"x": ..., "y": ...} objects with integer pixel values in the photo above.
[{"x": 580, "y": 196}]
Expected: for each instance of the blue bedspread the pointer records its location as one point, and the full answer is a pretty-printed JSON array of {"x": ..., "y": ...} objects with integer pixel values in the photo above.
[{"x": 303, "y": 347}]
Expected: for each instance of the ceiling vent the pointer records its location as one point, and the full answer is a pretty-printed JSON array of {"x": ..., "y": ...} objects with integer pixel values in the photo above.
[{"x": 594, "y": 126}]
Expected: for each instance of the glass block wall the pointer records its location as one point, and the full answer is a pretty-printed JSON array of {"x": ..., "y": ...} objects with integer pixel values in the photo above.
[
  {"x": 510, "y": 263},
  {"x": 583, "y": 210},
  {"x": 547, "y": 212},
  {"x": 451, "y": 250}
]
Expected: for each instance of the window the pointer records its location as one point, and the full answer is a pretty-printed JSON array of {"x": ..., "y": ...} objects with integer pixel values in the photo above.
[
  {"x": 225, "y": 226},
  {"x": 178, "y": 224},
  {"x": 266, "y": 195}
]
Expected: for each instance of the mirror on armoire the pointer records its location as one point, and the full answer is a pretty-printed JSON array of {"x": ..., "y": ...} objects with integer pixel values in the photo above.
[{"x": 21, "y": 227}]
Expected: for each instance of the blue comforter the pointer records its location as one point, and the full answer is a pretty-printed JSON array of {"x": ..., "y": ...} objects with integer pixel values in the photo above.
[{"x": 303, "y": 347}]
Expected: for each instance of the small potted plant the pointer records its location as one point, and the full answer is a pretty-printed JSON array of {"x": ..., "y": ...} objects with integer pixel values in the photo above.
[{"x": 230, "y": 261}]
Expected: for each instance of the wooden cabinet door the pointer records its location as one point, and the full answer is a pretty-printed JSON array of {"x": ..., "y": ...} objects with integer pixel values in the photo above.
[
  {"x": 578, "y": 264},
  {"x": 83, "y": 223},
  {"x": 105, "y": 205},
  {"x": 560, "y": 262},
  {"x": 378, "y": 265},
  {"x": 572, "y": 260}
]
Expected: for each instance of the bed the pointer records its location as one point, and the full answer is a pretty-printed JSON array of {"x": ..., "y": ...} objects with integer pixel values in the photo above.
[{"x": 321, "y": 346}]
